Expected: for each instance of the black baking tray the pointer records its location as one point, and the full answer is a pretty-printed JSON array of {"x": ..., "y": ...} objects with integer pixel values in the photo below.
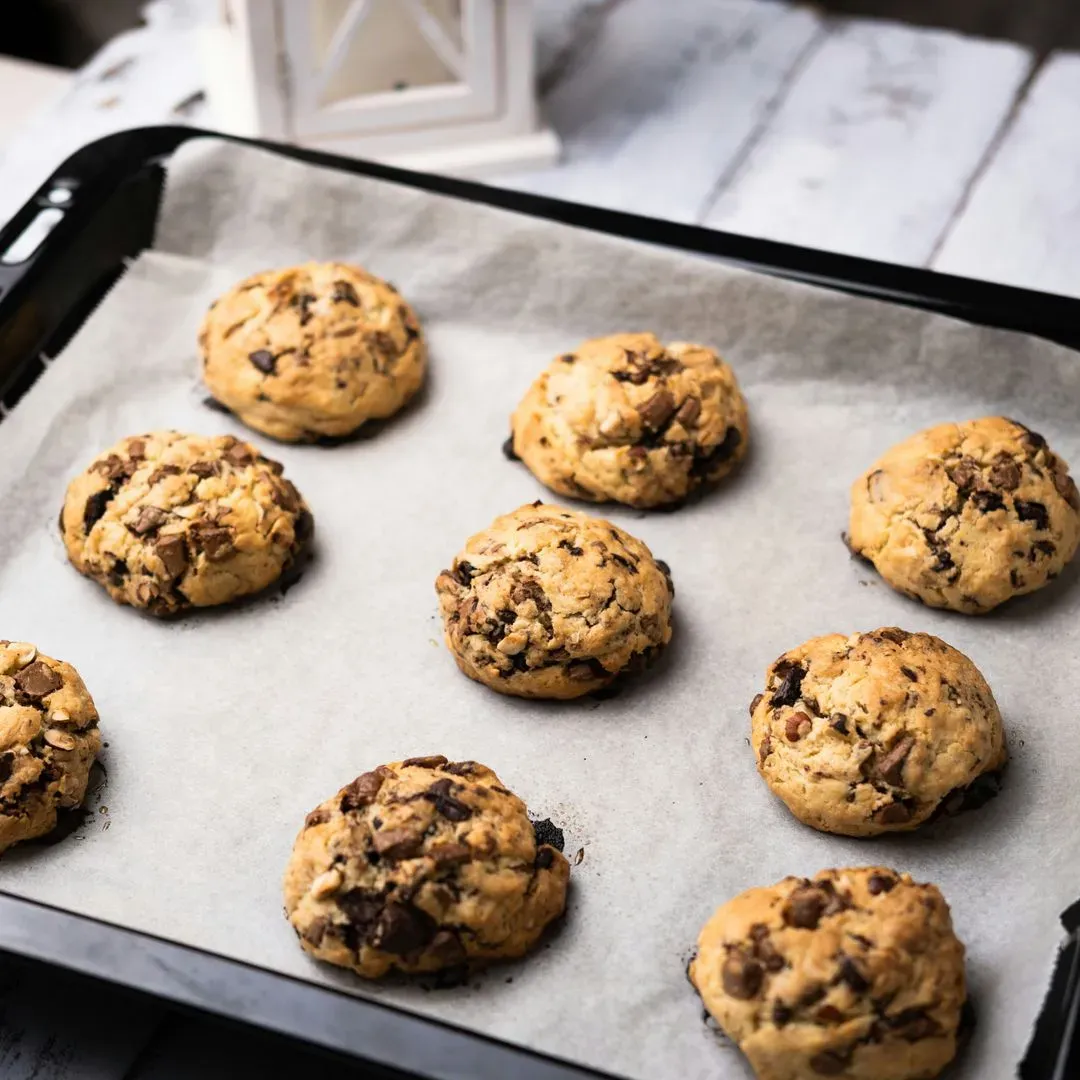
[{"x": 110, "y": 192}]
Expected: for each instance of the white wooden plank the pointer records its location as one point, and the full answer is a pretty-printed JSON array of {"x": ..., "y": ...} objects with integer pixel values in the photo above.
[
  {"x": 1021, "y": 225},
  {"x": 54, "y": 1030},
  {"x": 561, "y": 28},
  {"x": 662, "y": 103},
  {"x": 875, "y": 142}
]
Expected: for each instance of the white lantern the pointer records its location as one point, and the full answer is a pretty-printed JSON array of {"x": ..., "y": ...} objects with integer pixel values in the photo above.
[{"x": 443, "y": 85}]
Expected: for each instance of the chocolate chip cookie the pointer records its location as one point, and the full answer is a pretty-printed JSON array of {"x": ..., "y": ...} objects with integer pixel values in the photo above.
[
  {"x": 965, "y": 516},
  {"x": 854, "y": 973},
  {"x": 49, "y": 739},
  {"x": 420, "y": 865},
  {"x": 873, "y": 733},
  {"x": 550, "y": 603},
  {"x": 166, "y": 521},
  {"x": 312, "y": 351},
  {"x": 627, "y": 419}
]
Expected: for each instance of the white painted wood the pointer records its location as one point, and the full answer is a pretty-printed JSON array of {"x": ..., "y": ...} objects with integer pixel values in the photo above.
[
  {"x": 47, "y": 1033},
  {"x": 875, "y": 142},
  {"x": 656, "y": 109},
  {"x": 1021, "y": 225}
]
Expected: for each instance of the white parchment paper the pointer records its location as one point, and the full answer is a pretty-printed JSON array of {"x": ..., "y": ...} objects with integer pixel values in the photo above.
[{"x": 225, "y": 728}]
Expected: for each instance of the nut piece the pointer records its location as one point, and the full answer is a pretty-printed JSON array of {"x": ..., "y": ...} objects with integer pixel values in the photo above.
[
  {"x": 25, "y": 653},
  {"x": 60, "y": 739},
  {"x": 325, "y": 884}
]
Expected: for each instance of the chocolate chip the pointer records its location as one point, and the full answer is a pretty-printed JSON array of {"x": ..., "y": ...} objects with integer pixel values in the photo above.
[
  {"x": 530, "y": 589},
  {"x": 508, "y": 449},
  {"x": 173, "y": 555},
  {"x": 706, "y": 460},
  {"x": 396, "y": 843},
  {"x": 1005, "y": 473},
  {"x": 895, "y": 813},
  {"x": 830, "y": 1062},
  {"x": 839, "y": 722},
  {"x": 913, "y": 1024},
  {"x": 317, "y": 817},
  {"x": 572, "y": 548},
  {"x": 656, "y": 412},
  {"x": 688, "y": 413},
  {"x": 7, "y": 766},
  {"x": 1032, "y": 440},
  {"x": 216, "y": 541},
  {"x": 829, "y": 1014},
  {"x": 452, "y": 809},
  {"x": 461, "y": 768},
  {"x": 36, "y": 681},
  {"x": 361, "y": 908},
  {"x": 264, "y": 360},
  {"x": 432, "y": 761},
  {"x": 765, "y": 749},
  {"x": 203, "y": 469},
  {"x": 402, "y": 928},
  {"x": 987, "y": 501},
  {"x": 344, "y": 293},
  {"x": 544, "y": 858},
  {"x": 586, "y": 670},
  {"x": 798, "y": 724},
  {"x": 742, "y": 978},
  {"x": 804, "y": 908},
  {"x": 136, "y": 449},
  {"x": 811, "y": 996},
  {"x": 909, "y": 674},
  {"x": 1032, "y": 511},
  {"x": 96, "y": 506},
  {"x": 1043, "y": 547},
  {"x": 302, "y": 302},
  {"x": 118, "y": 573},
  {"x": 852, "y": 976},
  {"x": 548, "y": 833},
  {"x": 449, "y": 854},
  {"x": 240, "y": 454},
  {"x": 943, "y": 562},
  {"x": 879, "y": 883},
  {"x": 894, "y": 634},
  {"x": 361, "y": 792},
  {"x": 447, "y": 947},
  {"x": 568, "y": 358},
  {"x": 162, "y": 471},
  {"x": 1067, "y": 489},
  {"x": 790, "y": 685},
  {"x": 464, "y": 572},
  {"x": 964, "y": 473},
  {"x": 150, "y": 519},
  {"x": 637, "y": 376},
  {"x": 781, "y": 1014},
  {"x": 755, "y": 703}
]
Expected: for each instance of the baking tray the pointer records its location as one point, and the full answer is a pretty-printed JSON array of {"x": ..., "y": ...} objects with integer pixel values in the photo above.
[{"x": 109, "y": 194}]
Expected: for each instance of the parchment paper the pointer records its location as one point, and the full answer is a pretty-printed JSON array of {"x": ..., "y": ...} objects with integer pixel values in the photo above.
[{"x": 225, "y": 728}]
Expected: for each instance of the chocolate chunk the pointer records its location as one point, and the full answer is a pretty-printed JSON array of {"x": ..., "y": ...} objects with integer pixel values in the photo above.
[
  {"x": 344, "y": 293},
  {"x": 136, "y": 449},
  {"x": 572, "y": 548},
  {"x": 508, "y": 449},
  {"x": 943, "y": 561},
  {"x": 7, "y": 766},
  {"x": 118, "y": 573},
  {"x": 361, "y": 792},
  {"x": 830, "y": 1062},
  {"x": 1043, "y": 547},
  {"x": 464, "y": 572},
  {"x": 203, "y": 469},
  {"x": 790, "y": 686},
  {"x": 1033, "y": 442},
  {"x": 656, "y": 412},
  {"x": 688, "y": 413},
  {"x": 452, "y": 809},
  {"x": 544, "y": 858},
  {"x": 1032, "y": 511},
  {"x": 317, "y": 817},
  {"x": 96, "y": 506},
  {"x": 162, "y": 471},
  {"x": 811, "y": 996},
  {"x": 150, "y": 519},
  {"x": 461, "y": 768},
  {"x": 36, "y": 681},
  {"x": 895, "y": 813},
  {"x": 548, "y": 833},
  {"x": 894, "y": 634},
  {"x": 637, "y": 376},
  {"x": 879, "y": 883},
  {"x": 909, "y": 674},
  {"x": 302, "y": 302},
  {"x": 1067, "y": 489},
  {"x": 852, "y": 976},
  {"x": 798, "y": 724},
  {"x": 804, "y": 908},
  {"x": 433, "y": 761},
  {"x": 913, "y": 1024},
  {"x": 765, "y": 749},
  {"x": 216, "y": 541},
  {"x": 530, "y": 589},
  {"x": 568, "y": 358},
  {"x": 361, "y": 908},
  {"x": 264, "y": 360},
  {"x": 829, "y": 1014},
  {"x": 1005, "y": 473},
  {"x": 173, "y": 554},
  {"x": 755, "y": 703},
  {"x": 742, "y": 978},
  {"x": 706, "y": 460},
  {"x": 781, "y": 1014},
  {"x": 839, "y": 722},
  {"x": 964, "y": 473},
  {"x": 397, "y": 843},
  {"x": 449, "y": 854},
  {"x": 402, "y": 928},
  {"x": 986, "y": 501},
  {"x": 586, "y": 670},
  {"x": 447, "y": 947},
  {"x": 240, "y": 454},
  {"x": 890, "y": 767}
]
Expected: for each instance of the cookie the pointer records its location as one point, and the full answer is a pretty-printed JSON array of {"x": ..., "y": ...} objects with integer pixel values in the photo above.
[
  {"x": 166, "y": 521},
  {"x": 550, "y": 603},
  {"x": 420, "y": 865},
  {"x": 626, "y": 419},
  {"x": 312, "y": 351},
  {"x": 873, "y": 733},
  {"x": 49, "y": 739},
  {"x": 966, "y": 516},
  {"x": 854, "y": 973}
]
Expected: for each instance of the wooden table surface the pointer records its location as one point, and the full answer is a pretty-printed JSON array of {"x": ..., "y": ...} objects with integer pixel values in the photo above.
[{"x": 907, "y": 145}]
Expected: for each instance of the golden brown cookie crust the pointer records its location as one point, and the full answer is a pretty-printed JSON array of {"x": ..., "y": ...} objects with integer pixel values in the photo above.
[
  {"x": 49, "y": 739},
  {"x": 966, "y": 516},
  {"x": 420, "y": 865},
  {"x": 167, "y": 521},
  {"x": 854, "y": 973},
  {"x": 627, "y": 419},
  {"x": 874, "y": 732},
  {"x": 550, "y": 603},
  {"x": 312, "y": 351}
]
